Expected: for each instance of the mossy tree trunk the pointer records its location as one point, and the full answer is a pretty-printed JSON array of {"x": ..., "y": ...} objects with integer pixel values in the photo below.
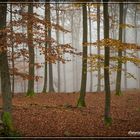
[
  {"x": 119, "y": 67},
  {"x": 81, "y": 100},
  {"x": 6, "y": 116},
  {"x": 107, "y": 115},
  {"x": 30, "y": 91}
]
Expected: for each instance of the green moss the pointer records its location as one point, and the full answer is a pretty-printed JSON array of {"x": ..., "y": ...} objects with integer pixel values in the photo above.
[
  {"x": 7, "y": 121},
  {"x": 30, "y": 93},
  {"x": 7, "y": 129},
  {"x": 108, "y": 121},
  {"x": 81, "y": 103},
  {"x": 119, "y": 93}
]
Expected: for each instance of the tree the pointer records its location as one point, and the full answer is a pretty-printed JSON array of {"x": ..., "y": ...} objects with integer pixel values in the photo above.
[
  {"x": 119, "y": 67},
  {"x": 81, "y": 100},
  {"x": 51, "y": 88},
  {"x": 90, "y": 39},
  {"x": 98, "y": 47},
  {"x": 57, "y": 40},
  {"x": 107, "y": 116},
  {"x": 124, "y": 36},
  {"x": 47, "y": 12},
  {"x": 12, "y": 46},
  {"x": 30, "y": 91},
  {"x": 6, "y": 116},
  {"x": 64, "y": 66}
]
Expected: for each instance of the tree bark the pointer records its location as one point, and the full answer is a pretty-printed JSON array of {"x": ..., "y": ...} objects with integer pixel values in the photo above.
[
  {"x": 119, "y": 67},
  {"x": 57, "y": 39},
  {"x": 13, "y": 64},
  {"x": 30, "y": 91},
  {"x": 6, "y": 116},
  {"x": 90, "y": 39},
  {"x": 51, "y": 88},
  {"x": 107, "y": 116},
  {"x": 98, "y": 47},
  {"x": 47, "y": 12},
  {"x": 81, "y": 100}
]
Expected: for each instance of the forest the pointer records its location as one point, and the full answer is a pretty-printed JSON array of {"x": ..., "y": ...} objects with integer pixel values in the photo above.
[{"x": 69, "y": 69}]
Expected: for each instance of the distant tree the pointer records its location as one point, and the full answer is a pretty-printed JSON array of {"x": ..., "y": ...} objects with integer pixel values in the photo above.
[
  {"x": 119, "y": 67},
  {"x": 57, "y": 40},
  {"x": 98, "y": 48},
  {"x": 51, "y": 87},
  {"x": 30, "y": 91},
  {"x": 107, "y": 116},
  {"x": 81, "y": 100},
  {"x": 64, "y": 66},
  {"x": 47, "y": 14},
  {"x": 12, "y": 46},
  {"x": 6, "y": 116},
  {"x": 124, "y": 39},
  {"x": 90, "y": 39}
]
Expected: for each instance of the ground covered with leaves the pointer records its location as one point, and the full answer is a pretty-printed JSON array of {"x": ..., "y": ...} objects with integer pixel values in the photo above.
[{"x": 56, "y": 114}]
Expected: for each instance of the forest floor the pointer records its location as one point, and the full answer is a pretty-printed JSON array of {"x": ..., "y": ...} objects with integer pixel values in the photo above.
[{"x": 55, "y": 114}]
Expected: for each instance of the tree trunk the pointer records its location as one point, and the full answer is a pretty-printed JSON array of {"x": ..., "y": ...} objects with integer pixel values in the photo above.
[
  {"x": 81, "y": 101},
  {"x": 119, "y": 67},
  {"x": 51, "y": 88},
  {"x": 13, "y": 65},
  {"x": 64, "y": 69},
  {"x": 90, "y": 39},
  {"x": 47, "y": 12},
  {"x": 107, "y": 116},
  {"x": 57, "y": 39},
  {"x": 98, "y": 47},
  {"x": 124, "y": 35},
  {"x": 6, "y": 116},
  {"x": 30, "y": 91}
]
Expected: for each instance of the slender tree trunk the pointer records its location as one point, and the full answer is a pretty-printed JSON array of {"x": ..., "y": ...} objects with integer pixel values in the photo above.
[
  {"x": 51, "y": 88},
  {"x": 119, "y": 67},
  {"x": 24, "y": 65},
  {"x": 107, "y": 115},
  {"x": 47, "y": 11},
  {"x": 30, "y": 91},
  {"x": 98, "y": 39},
  {"x": 13, "y": 65},
  {"x": 57, "y": 38},
  {"x": 64, "y": 69},
  {"x": 90, "y": 39},
  {"x": 125, "y": 65},
  {"x": 81, "y": 100},
  {"x": 6, "y": 116},
  {"x": 136, "y": 42},
  {"x": 72, "y": 37}
]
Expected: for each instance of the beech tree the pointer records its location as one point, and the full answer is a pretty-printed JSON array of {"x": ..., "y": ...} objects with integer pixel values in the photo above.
[
  {"x": 6, "y": 115},
  {"x": 47, "y": 16},
  {"x": 81, "y": 100},
  {"x": 119, "y": 67},
  {"x": 90, "y": 39},
  {"x": 98, "y": 48},
  {"x": 57, "y": 40},
  {"x": 107, "y": 115},
  {"x": 51, "y": 87},
  {"x": 30, "y": 91}
]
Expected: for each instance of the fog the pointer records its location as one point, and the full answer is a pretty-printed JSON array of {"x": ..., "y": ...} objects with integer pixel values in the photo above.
[{"x": 70, "y": 72}]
